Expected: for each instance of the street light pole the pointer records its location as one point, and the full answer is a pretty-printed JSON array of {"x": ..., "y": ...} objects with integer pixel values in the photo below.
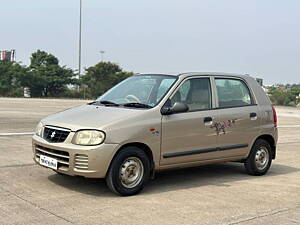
[
  {"x": 80, "y": 23},
  {"x": 102, "y": 55}
]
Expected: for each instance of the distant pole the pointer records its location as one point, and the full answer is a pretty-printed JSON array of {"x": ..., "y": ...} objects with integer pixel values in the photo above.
[
  {"x": 102, "y": 55},
  {"x": 80, "y": 23}
]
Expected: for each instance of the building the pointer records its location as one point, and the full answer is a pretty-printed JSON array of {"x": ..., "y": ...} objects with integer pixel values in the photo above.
[{"x": 8, "y": 55}]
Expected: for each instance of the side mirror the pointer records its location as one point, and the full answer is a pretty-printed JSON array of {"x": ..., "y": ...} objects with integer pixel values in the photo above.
[{"x": 178, "y": 107}]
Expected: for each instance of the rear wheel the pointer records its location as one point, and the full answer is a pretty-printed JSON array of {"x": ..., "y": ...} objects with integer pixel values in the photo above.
[
  {"x": 128, "y": 172},
  {"x": 260, "y": 158}
]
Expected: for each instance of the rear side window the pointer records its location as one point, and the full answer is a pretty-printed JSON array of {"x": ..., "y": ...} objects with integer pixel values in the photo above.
[{"x": 232, "y": 93}]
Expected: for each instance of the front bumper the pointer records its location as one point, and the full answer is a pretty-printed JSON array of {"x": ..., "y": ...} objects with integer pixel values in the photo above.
[{"x": 76, "y": 160}]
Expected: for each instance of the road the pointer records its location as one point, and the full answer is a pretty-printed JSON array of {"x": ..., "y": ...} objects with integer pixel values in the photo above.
[{"x": 214, "y": 194}]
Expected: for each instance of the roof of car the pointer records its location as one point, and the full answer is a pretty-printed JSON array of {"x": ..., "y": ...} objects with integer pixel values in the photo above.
[
  {"x": 202, "y": 74},
  {"x": 212, "y": 74}
]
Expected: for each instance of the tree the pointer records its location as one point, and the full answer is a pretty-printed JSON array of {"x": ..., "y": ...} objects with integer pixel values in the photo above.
[
  {"x": 287, "y": 95},
  {"x": 46, "y": 77},
  {"x": 41, "y": 58},
  {"x": 10, "y": 72},
  {"x": 295, "y": 91},
  {"x": 280, "y": 97},
  {"x": 103, "y": 76}
]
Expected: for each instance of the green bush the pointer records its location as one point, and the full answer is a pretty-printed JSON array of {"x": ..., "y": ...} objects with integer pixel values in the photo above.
[{"x": 284, "y": 97}]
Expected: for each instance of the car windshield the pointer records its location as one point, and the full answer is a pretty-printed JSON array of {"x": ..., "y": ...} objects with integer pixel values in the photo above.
[{"x": 142, "y": 91}]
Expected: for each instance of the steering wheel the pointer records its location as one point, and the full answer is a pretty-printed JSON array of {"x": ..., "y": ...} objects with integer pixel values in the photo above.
[{"x": 129, "y": 98}]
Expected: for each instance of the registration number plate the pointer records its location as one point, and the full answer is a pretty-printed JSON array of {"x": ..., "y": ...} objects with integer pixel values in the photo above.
[{"x": 48, "y": 162}]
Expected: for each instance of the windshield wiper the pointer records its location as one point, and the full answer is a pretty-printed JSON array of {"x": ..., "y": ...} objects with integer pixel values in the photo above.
[
  {"x": 136, "y": 105},
  {"x": 104, "y": 102},
  {"x": 108, "y": 103},
  {"x": 92, "y": 103}
]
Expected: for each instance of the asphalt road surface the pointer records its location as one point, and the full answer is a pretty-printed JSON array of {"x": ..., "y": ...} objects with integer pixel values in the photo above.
[{"x": 214, "y": 194}]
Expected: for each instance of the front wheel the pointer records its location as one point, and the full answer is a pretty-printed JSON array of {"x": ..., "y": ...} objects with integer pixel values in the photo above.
[
  {"x": 59, "y": 173},
  {"x": 260, "y": 158},
  {"x": 128, "y": 172}
]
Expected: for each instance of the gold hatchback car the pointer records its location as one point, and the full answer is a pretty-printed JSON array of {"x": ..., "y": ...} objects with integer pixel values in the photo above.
[{"x": 153, "y": 122}]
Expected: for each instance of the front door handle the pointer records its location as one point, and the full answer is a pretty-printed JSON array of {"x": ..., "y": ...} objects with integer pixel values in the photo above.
[
  {"x": 253, "y": 116},
  {"x": 208, "y": 121}
]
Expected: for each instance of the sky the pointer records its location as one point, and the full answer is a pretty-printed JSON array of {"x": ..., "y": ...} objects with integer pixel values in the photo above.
[{"x": 256, "y": 37}]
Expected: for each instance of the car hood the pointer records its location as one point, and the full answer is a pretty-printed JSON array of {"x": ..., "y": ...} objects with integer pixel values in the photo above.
[{"x": 90, "y": 117}]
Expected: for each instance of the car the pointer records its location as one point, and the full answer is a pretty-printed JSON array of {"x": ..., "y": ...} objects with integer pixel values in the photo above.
[{"x": 153, "y": 122}]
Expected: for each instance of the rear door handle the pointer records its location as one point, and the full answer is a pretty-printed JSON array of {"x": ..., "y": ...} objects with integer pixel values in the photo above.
[
  {"x": 208, "y": 121},
  {"x": 253, "y": 116}
]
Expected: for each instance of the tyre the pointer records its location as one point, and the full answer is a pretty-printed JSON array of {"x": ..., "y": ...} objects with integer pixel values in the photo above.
[
  {"x": 128, "y": 172},
  {"x": 260, "y": 158},
  {"x": 59, "y": 173}
]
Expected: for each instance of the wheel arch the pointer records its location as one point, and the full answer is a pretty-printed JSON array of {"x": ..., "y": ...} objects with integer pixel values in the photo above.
[
  {"x": 145, "y": 148},
  {"x": 270, "y": 139}
]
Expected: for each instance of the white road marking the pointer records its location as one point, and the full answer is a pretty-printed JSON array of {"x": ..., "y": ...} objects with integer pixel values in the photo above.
[
  {"x": 294, "y": 115},
  {"x": 289, "y": 126},
  {"x": 17, "y": 134}
]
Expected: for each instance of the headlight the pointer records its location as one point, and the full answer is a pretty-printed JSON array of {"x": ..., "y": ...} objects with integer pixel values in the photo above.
[
  {"x": 38, "y": 129},
  {"x": 88, "y": 137}
]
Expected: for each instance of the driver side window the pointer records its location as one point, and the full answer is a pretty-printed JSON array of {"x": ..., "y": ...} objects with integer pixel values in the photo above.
[{"x": 195, "y": 93}]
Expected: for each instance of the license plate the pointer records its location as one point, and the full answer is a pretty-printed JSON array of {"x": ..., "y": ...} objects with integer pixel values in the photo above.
[{"x": 48, "y": 162}]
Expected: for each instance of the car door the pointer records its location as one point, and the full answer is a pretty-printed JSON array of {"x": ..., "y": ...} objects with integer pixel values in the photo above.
[
  {"x": 189, "y": 136},
  {"x": 239, "y": 121}
]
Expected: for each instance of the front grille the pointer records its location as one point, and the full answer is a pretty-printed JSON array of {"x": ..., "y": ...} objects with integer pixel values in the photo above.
[
  {"x": 55, "y": 134},
  {"x": 62, "y": 157},
  {"x": 81, "y": 162}
]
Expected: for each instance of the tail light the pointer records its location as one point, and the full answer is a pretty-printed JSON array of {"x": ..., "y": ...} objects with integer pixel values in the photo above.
[{"x": 274, "y": 116}]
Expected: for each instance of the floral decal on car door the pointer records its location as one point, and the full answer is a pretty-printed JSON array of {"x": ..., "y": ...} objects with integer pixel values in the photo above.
[{"x": 220, "y": 127}]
